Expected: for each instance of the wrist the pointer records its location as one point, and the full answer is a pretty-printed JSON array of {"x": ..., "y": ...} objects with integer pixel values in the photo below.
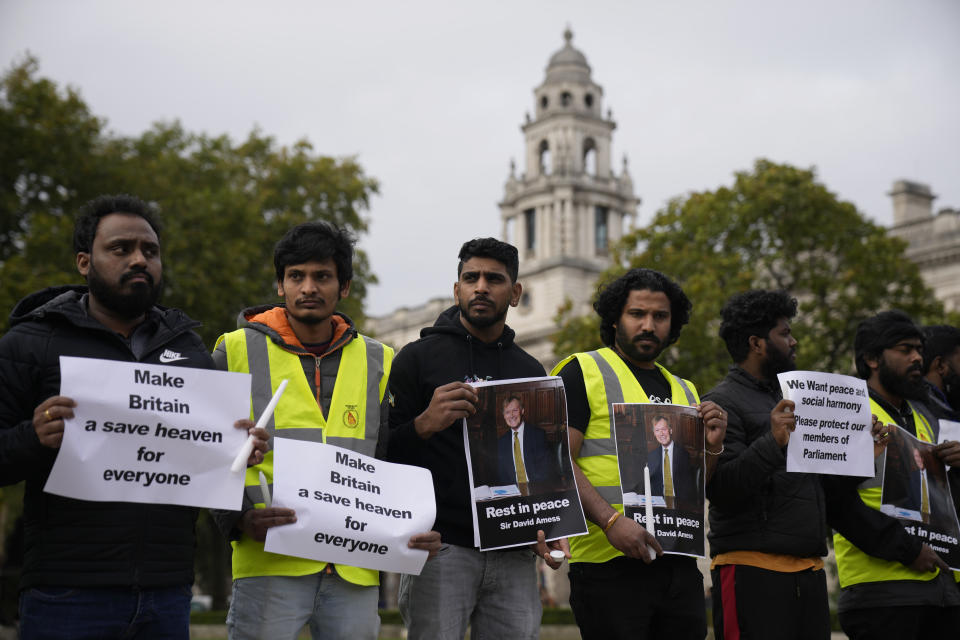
[{"x": 714, "y": 453}]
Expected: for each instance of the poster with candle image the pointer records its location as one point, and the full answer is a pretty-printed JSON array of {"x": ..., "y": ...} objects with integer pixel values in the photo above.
[{"x": 667, "y": 439}]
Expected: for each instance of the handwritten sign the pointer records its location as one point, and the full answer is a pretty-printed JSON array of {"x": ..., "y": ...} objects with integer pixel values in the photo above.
[
  {"x": 150, "y": 433},
  {"x": 833, "y": 424},
  {"x": 351, "y": 509}
]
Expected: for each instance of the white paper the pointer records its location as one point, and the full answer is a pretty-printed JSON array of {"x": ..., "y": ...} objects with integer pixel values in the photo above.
[
  {"x": 351, "y": 509},
  {"x": 949, "y": 430},
  {"x": 833, "y": 424},
  {"x": 151, "y": 433}
]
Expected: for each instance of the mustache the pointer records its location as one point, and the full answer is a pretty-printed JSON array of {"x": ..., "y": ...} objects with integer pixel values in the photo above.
[
  {"x": 646, "y": 335},
  {"x": 483, "y": 299},
  {"x": 129, "y": 275},
  {"x": 915, "y": 367}
]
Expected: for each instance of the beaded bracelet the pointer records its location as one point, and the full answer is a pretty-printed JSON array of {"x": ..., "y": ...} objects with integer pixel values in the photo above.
[{"x": 708, "y": 452}]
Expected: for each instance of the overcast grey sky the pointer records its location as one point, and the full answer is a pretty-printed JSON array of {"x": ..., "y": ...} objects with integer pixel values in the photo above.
[{"x": 430, "y": 95}]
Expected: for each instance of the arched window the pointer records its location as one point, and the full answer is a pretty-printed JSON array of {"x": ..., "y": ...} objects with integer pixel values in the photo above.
[
  {"x": 590, "y": 157},
  {"x": 545, "y": 164},
  {"x": 588, "y": 100},
  {"x": 544, "y": 102},
  {"x": 566, "y": 99}
]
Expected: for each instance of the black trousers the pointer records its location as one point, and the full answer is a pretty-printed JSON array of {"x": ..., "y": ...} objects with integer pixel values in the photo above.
[
  {"x": 901, "y": 623},
  {"x": 749, "y": 602},
  {"x": 625, "y": 598}
]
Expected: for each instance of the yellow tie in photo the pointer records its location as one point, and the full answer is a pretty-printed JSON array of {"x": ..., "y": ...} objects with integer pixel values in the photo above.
[
  {"x": 518, "y": 460},
  {"x": 667, "y": 476},
  {"x": 924, "y": 495}
]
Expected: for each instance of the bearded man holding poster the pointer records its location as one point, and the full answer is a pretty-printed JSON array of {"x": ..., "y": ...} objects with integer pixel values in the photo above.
[
  {"x": 616, "y": 591},
  {"x": 767, "y": 526},
  {"x": 879, "y": 598},
  {"x": 96, "y": 569}
]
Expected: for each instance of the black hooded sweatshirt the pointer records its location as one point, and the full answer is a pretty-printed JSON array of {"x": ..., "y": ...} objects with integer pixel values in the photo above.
[{"x": 445, "y": 353}]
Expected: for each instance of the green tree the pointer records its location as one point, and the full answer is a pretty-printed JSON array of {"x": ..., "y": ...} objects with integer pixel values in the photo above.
[
  {"x": 223, "y": 204},
  {"x": 775, "y": 227}
]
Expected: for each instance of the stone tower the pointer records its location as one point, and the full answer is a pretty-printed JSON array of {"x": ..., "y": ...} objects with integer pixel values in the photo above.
[{"x": 568, "y": 205}]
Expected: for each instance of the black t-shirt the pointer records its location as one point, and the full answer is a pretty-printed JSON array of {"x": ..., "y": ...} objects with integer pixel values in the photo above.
[{"x": 654, "y": 384}]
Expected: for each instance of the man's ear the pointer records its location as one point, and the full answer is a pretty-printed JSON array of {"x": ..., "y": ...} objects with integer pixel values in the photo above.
[
  {"x": 280, "y": 288},
  {"x": 873, "y": 362},
  {"x": 456, "y": 292},
  {"x": 515, "y": 296},
  {"x": 757, "y": 344},
  {"x": 83, "y": 263},
  {"x": 345, "y": 289}
]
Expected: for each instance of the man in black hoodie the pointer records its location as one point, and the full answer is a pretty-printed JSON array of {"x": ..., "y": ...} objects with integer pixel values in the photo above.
[
  {"x": 496, "y": 591},
  {"x": 96, "y": 569}
]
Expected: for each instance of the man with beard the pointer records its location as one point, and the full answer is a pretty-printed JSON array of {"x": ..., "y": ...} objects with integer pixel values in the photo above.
[
  {"x": 495, "y": 592},
  {"x": 336, "y": 394},
  {"x": 879, "y": 598},
  {"x": 96, "y": 569},
  {"x": 768, "y": 528},
  {"x": 616, "y": 590}
]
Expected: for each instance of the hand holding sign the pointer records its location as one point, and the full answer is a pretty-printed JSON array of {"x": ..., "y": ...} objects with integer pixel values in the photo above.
[
  {"x": 48, "y": 420},
  {"x": 633, "y": 540},
  {"x": 783, "y": 422}
]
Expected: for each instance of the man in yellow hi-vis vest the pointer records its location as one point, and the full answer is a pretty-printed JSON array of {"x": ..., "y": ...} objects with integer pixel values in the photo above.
[
  {"x": 880, "y": 598},
  {"x": 335, "y": 395},
  {"x": 615, "y": 589}
]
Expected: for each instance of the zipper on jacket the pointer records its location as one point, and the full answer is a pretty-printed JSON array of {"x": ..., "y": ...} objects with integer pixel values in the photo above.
[{"x": 317, "y": 378}]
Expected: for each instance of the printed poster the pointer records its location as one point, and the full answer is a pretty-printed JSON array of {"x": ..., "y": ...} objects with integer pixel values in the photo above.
[
  {"x": 668, "y": 440},
  {"x": 916, "y": 492},
  {"x": 518, "y": 461}
]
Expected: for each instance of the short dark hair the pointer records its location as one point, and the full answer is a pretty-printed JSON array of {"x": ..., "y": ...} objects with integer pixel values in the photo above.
[
  {"x": 940, "y": 341},
  {"x": 613, "y": 296},
  {"x": 319, "y": 240},
  {"x": 510, "y": 399},
  {"x": 491, "y": 248},
  {"x": 880, "y": 332},
  {"x": 753, "y": 313},
  {"x": 88, "y": 219}
]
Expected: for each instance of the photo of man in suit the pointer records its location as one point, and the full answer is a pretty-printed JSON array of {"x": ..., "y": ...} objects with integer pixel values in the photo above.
[
  {"x": 919, "y": 495},
  {"x": 523, "y": 454},
  {"x": 671, "y": 474}
]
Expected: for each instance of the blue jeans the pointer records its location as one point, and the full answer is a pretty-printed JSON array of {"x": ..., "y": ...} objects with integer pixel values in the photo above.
[
  {"x": 67, "y": 613},
  {"x": 495, "y": 592},
  {"x": 277, "y": 607}
]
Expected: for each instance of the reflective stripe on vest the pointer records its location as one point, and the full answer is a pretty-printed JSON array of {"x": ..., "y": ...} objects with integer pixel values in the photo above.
[
  {"x": 608, "y": 380},
  {"x": 855, "y": 566},
  {"x": 353, "y": 422}
]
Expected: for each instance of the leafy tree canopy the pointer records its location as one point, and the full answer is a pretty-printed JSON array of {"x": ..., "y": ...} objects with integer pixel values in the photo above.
[
  {"x": 223, "y": 203},
  {"x": 775, "y": 227}
]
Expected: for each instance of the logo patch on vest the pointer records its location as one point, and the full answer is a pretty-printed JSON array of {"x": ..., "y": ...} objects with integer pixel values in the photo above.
[{"x": 351, "y": 417}]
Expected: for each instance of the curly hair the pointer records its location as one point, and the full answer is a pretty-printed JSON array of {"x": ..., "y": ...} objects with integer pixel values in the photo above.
[
  {"x": 88, "y": 219},
  {"x": 880, "y": 332},
  {"x": 753, "y": 313},
  {"x": 318, "y": 240},
  {"x": 494, "y": 249},
  {"x": 612, "y": 297}
]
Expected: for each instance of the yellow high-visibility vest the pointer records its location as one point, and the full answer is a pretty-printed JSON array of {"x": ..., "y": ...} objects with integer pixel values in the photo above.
[
  {"x": 853, "y": 565},
  {"x": 608, "y": 381},
  {"x": 353, "y": 422}
]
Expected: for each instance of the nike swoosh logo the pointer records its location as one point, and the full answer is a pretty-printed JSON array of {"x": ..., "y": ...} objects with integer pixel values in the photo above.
[{"x": 171, "y": 358}]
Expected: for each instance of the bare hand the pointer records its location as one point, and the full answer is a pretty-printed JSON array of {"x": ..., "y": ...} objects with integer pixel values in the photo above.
[
  {"x": 948, "y": 452},
  {"x": 48, "y": 420},
  {"x": 255, "y": 522},
  {"x": 261, "y": 441},
  {"x": 783, "y": 421},
  {"x": 928, "y": 560},
  {"x": 428, "y": 541},
  {"x": 881, "y": 436},
  {"x": 450, "y": 402},
  {"x": 633, "y": 540},
  {"x": 543, "y": 548},
  {"x": 714, "y": 424}
]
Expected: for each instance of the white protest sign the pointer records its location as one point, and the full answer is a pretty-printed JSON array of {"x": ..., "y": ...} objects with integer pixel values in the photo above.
[
  {"x": 833, "y": 424},
  {"x": 351, "y": 509},
  {"x": 151, "y": 433}
]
